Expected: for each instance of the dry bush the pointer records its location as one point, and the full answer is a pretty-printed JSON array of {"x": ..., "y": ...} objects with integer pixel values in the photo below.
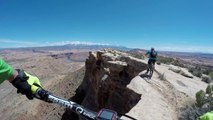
[
  {"x": 179, "y": 71},
  {"x": 206, "y": 79},
  {"x": 200, "y": 98},
  {"x": 195, "y": 71},
  {"x": 162, "y": 77},
  {"x": 158, "y": 63},
  {"x": 165, "y": 60},
  {"x": 204, "y": 104},
  {"x": 211, "y": 75}
]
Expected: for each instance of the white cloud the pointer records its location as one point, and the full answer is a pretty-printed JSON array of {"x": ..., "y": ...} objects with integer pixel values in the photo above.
[
  {"x": 8, "y": 43},
  {"x": 15, "y": 41},
  {"x": 73, "y": 43}
]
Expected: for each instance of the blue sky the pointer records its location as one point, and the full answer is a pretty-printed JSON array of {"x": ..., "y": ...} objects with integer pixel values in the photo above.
[{"x": 174, "y": 25}]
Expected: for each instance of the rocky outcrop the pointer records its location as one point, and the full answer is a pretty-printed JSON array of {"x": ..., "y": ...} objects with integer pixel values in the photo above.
[{"x": 108, "y": 72}]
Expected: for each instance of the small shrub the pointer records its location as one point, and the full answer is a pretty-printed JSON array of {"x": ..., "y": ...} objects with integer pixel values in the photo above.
[
  {"x": 162, "y": 77},
  {"x": 139, "y": 56},
  {"x": 191, "y": 69},
  {"x": 209, "y": 89},
  {"x": 211, "y": 75},
  {"x": 178, "y": 63},
  {"x": 197, "y": 73},
  {"x": 158, "y": 63},
  {"x": 193, "y": 112},
  {"x": 198, "y": 68},
  {"x": 204, "y": 103},
  {"x": 206, "y": 71},
  {"x": 165, "y": 60},
  {"x": 205, "y": 98},
  {"x": 206, "y": 79},
  {"x": 200, "y": 98}
]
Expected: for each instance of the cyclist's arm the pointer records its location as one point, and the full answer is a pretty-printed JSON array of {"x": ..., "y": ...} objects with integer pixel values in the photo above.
[
  {"x": 6, "y": 72},
  {"x": 206, "y": 116},
  {"x": 147, "y": 54},
  {"x": 157, "y": 56},
  {"x": 24, "y": 82}
]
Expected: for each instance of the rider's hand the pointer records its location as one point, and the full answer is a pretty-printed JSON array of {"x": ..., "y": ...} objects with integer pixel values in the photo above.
[{"x": 26, "y": 84}]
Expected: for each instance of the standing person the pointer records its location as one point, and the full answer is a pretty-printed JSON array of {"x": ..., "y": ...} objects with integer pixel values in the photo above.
[
  {"x": 25, "y": 83},
  {"x": 152, "y": 55}
]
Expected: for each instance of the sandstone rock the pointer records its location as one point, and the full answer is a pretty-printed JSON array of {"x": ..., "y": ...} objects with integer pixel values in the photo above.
[
  {"x": 116, "y": 65},
  {"x": 108, "y": 71}
]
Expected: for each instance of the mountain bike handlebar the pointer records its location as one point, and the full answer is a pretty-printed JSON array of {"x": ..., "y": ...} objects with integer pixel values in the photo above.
[{"x": 80, "y": 110}]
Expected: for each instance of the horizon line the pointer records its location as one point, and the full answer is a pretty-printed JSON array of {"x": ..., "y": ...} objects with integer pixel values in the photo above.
[{"x": 160, "y": 50}]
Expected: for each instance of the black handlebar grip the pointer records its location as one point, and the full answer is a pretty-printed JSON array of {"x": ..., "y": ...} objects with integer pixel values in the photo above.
[{"x": 43, "y": 95}]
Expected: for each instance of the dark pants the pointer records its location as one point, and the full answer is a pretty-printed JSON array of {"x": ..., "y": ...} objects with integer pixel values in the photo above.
[{"x": 151, "y": 61}]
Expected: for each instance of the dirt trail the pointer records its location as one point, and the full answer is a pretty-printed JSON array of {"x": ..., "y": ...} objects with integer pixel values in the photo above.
[
  {"x": 154, "y": 103},
  {"x": 163, "y": 99}
]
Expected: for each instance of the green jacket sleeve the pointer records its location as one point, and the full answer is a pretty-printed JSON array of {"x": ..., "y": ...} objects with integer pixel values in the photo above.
[
  {"x": 6, "y": 71},
  {"x": 207, "y": 116}
]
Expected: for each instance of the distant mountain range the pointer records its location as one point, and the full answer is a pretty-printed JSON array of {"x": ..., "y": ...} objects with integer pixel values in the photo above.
[
  {"x": 71, "y": 46},
  {"x": 203, "y": 59},
  {"x": 98, "y": 47}
]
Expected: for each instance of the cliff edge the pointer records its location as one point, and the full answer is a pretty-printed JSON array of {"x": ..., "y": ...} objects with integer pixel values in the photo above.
[{"x": 107, "y": 75}]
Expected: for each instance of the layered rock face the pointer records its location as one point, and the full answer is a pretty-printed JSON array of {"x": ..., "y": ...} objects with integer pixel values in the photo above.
[{"x": 108, "y": 72}]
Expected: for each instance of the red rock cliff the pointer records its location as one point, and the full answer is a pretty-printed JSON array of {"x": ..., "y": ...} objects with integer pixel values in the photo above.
[{"x": 108, "y": 72}]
